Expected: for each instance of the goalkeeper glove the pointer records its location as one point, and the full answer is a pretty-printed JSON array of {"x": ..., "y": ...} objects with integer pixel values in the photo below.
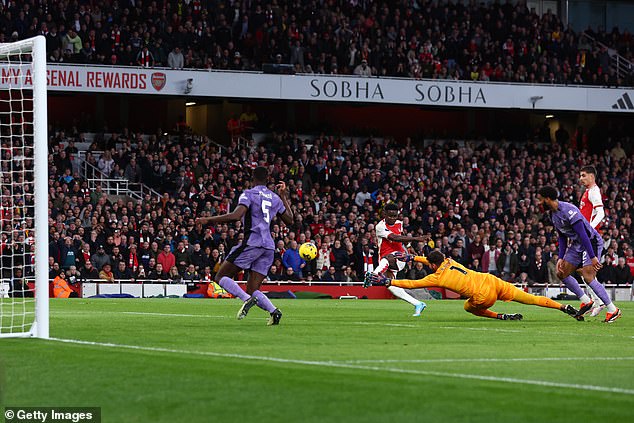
[
  {"x": 374, "y": 279},
  {"x": 401, "y": 256}
]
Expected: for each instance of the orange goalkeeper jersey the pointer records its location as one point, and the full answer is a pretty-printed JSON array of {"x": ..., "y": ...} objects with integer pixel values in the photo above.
[{"x": 453, "y": 276}]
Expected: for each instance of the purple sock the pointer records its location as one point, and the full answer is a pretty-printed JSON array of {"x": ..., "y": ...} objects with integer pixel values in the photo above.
[
  {"x": 598, "y": 289},
  {"x": 572, "y": 284},
  {"x": 264, "y": 302},
  {"x": 233, "y": 288}
]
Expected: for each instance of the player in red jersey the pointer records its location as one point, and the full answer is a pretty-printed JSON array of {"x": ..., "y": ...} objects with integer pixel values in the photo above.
[
  {"x": 390, "y": 238},
  {"x": 591, "y": 207},
  {"x": 591, "y": 204}
]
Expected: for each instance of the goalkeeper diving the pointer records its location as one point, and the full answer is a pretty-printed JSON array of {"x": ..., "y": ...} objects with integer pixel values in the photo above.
[{"x": 481, "y": 289}]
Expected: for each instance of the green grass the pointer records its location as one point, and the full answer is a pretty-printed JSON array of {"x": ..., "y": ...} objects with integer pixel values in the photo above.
[{"x": 329, "y": 360}]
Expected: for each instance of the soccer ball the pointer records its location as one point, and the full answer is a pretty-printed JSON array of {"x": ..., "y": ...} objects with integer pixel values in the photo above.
[{"x": 308, "y": 251}]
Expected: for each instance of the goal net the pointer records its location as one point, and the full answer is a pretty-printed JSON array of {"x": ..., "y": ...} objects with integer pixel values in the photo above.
[{"x": 23, "y": 190}]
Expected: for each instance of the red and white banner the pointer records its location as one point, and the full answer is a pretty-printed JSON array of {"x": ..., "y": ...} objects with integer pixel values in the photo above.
[{"x": 201, "y": 83}]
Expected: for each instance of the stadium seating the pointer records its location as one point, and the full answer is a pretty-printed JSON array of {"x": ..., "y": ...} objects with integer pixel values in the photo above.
[{"x": 445, "y": 40}]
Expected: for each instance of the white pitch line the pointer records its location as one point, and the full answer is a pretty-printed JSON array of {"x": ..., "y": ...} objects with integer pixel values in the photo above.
[
  {"x": 400, "y": 325},
  {"x": 353, "y": 366},
  {"x": 481, "y": 329},
  {"x": 490, "y": 360},
  {"x": 403, "y": 325}
]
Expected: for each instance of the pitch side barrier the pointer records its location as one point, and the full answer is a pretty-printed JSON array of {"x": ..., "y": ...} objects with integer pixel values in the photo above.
[{"x": 153, "y": 288}]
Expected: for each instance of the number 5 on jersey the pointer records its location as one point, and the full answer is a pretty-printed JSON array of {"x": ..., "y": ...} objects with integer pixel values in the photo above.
[{"x": 266, "y": 205}]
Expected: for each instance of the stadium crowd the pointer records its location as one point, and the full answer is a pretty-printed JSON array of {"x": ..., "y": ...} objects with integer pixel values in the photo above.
[
  {"x": 474, "y": 199},
  {"x": 425, "y": 39}
]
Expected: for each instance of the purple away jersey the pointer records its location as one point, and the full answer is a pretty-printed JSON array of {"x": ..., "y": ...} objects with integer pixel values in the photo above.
[
  {"x": 563, "y": 219},
  {"x": 567, "y": 215},
  {"x": 263, "y": 205}
]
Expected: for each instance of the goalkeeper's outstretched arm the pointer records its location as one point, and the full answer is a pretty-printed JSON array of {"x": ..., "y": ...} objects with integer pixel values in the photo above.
[
  {"x": 421, "y": 259},
  {"x": 408, "y": 257},
  {"x": 428, "y": 281}
]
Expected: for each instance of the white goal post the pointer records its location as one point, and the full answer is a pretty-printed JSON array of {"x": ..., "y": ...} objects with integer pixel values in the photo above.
[{"x": 24, "y": 285}]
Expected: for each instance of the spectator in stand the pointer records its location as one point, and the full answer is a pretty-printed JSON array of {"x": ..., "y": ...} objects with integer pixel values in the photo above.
[
  {"x": 53, "y": 44},
  {"x": 332, "y": 275},
  {"x": 523, "y": 263},
  {"x": 290, "y": 275},
  {"x": 88, "y": 272},
  {"x": 607, "y": 275},
  {"x": 491, "y": 257},
  {"x": 348, "y": 275},
  {"x": 629, "y": 258},
  {"x": 417, "y": 271},
  {"x": 291, "y": 259},
  {"x": 106, "y": 164},
  {"x": 198, "y": 257},
  {"x": 248, "y": 121},
  {"x": 68, "y": 254},
  {"x": 72, "y": 44},
  {"x": 538, "y": 267},
  {"x": 122, "y": 272},
  {"x": 117, "y": 256},
  {"x": 100, "y": 258},
  {"x": 87, "y": 53},
  {"x": 363, "y": 69},
  {"x": 459, "y": 252},
  {"x": 190, "y": 274},
  {"x": 367, "y": 258},
  {"x": 475, "y": 251},
  {"x": 145, "y": 58},
  {"x": 207, "y": 275},
  {"x": 19, "y": 287},
  {"x": 182, "y": 257},
  {"x": 174, "y": 275},
  {"x": 325, "y": 254},
  {"x": 106, "y": 273},
  {"x": 175, "y": 59},
  {"x": 133, "y": 171},
  {"x": 166, "y": 259},
  {"x": 157, "y": 274},
  {"x": 234, "y": 127},
  {"x": 274, "y": 274},
  {"x": 339, "y": 256},
  {"x": 72, "y": 275},
  {"x": 622, "y": 273},
  {"x": 362, "y": 196}
]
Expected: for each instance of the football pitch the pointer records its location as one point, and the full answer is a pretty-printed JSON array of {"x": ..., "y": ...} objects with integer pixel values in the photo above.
[{"x": 187, "y": 360}]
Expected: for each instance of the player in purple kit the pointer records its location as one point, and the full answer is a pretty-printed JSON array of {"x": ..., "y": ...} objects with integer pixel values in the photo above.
[
  {"x": 580, "y": 247},
  {"x": 256, "y": 208}
]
